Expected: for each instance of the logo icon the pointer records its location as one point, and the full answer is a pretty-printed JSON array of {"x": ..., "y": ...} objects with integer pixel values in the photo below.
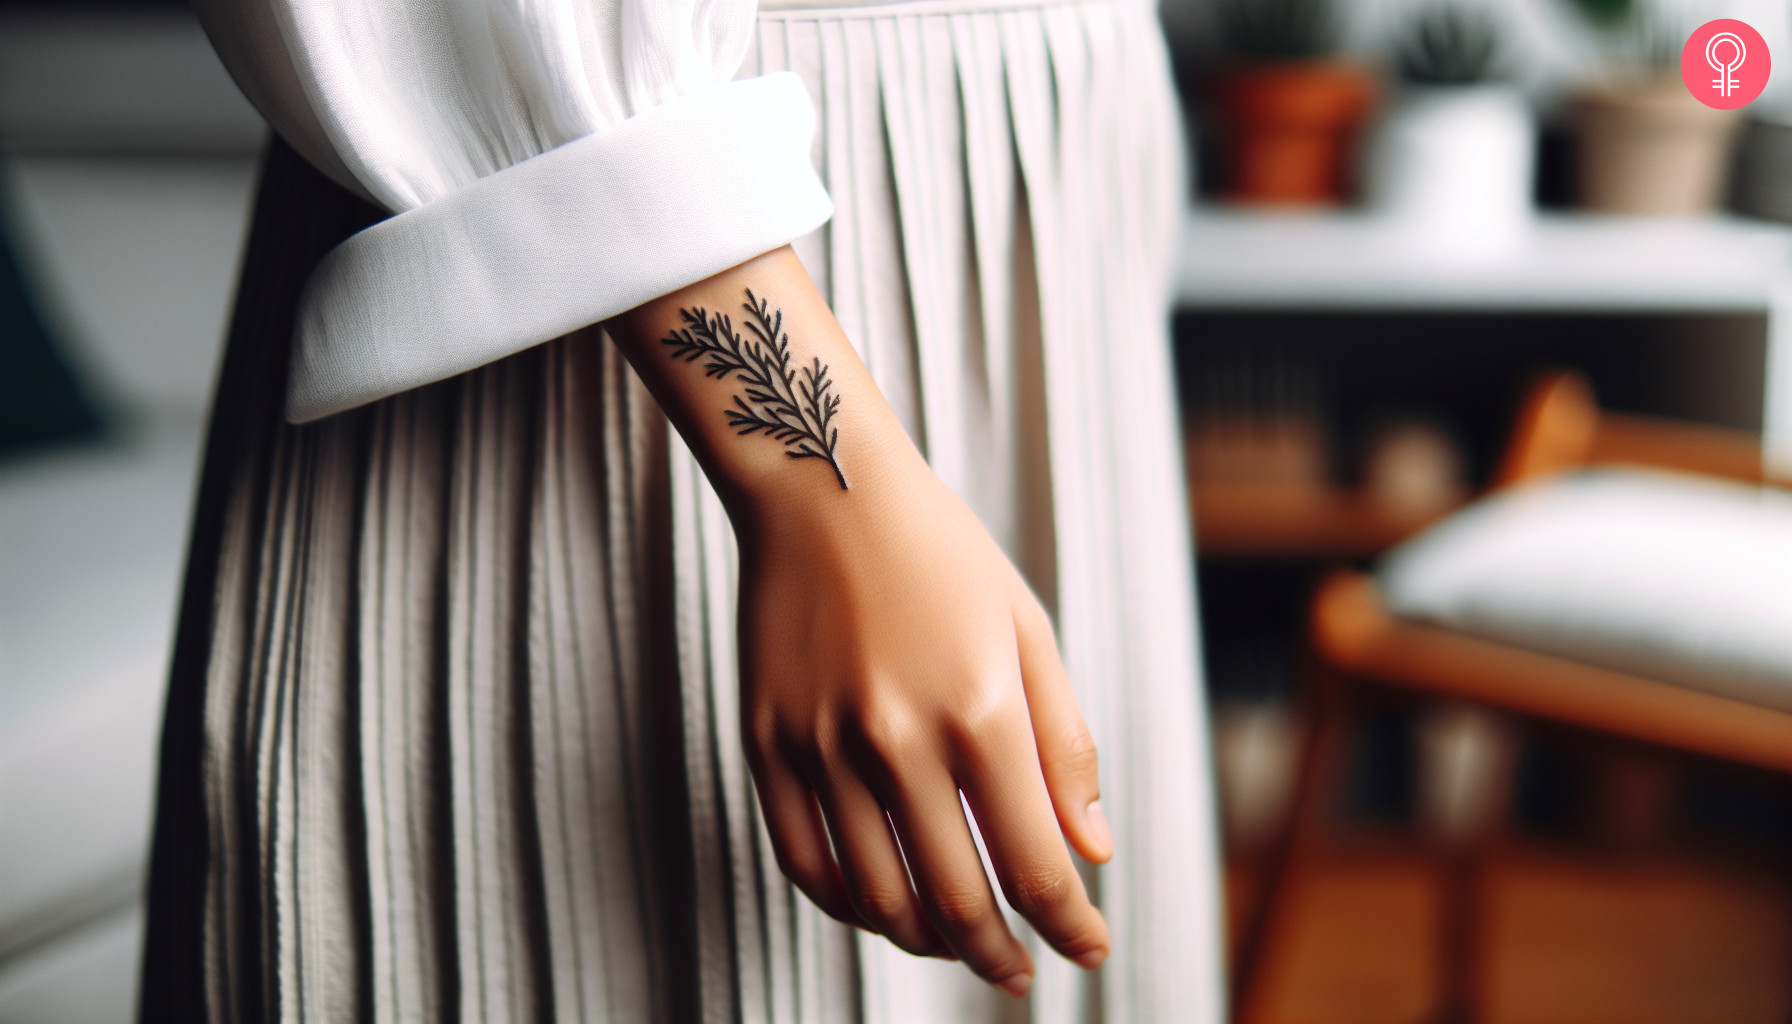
[
  {"x": 1725, "y": 82},
  {"x": 1725, "y": 64}
]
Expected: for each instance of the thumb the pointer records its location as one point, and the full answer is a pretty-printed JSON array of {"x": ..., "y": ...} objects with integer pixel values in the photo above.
[{"x": 1066, "y": 750}]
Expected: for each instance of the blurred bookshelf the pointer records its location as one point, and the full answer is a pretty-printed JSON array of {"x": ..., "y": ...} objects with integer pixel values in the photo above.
[{"x": 1686, "y": 317}]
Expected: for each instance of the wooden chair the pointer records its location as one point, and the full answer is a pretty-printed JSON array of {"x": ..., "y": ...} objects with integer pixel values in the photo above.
[{"x": 1359, "y": 648}]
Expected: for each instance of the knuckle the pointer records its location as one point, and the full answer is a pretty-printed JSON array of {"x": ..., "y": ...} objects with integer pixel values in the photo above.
[
  {"x": 805, "y": 874},
  {"x": 781, "y": 733},
  {"x": 881, "y": 905},
  {"x": 1038, "y": 619},
  {"x": 996, "y": 967},
  {"x": 823, "y": 736},
  {"x": 1075, "y": 946},
  {"x": 887, "y": 734},
  {"x": 813, "y": 744},
  {"x": 1080, "y": 937},
  {"x": 961, "y": 908},
  {"x": 985, "y": 711},
  {"x": 1077, "y": 754},
  {"x": 762, "y": 738},
  {"x": 800, "y": 862},
  {"x": 1038, "y": 891}
]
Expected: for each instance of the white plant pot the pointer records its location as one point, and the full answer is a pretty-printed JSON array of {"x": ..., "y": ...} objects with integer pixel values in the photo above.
[{"x": 1451, "y": 167}]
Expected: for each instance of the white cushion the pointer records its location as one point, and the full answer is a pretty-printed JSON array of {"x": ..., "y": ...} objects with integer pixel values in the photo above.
[
  {"x": 91, "y": 541},
  {"x": 1683, "y": 579}
]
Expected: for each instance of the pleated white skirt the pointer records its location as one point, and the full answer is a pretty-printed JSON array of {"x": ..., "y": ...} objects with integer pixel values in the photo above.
[{"x": 452, "y": 730}]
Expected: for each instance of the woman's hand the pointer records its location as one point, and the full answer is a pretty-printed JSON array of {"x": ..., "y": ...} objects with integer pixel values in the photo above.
[
  {"x": 891, "y": 656},
  {"x": 892, "y": 659}
]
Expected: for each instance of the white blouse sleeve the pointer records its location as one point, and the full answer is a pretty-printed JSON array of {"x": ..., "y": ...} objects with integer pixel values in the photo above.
[{"x": 551, "y": 163}]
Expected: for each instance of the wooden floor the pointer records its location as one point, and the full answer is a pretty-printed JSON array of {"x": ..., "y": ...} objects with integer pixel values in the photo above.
[{"x": 1572, "y": 938}]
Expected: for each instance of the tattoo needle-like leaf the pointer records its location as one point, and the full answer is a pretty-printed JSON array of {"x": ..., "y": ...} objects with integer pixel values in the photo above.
[{"x": 791, "y": 405}]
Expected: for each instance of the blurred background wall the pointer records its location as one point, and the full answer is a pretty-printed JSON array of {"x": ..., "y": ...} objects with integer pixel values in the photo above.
[
  {"x": 127, "y": 157},
  {"x": 1552, "y": 48}
]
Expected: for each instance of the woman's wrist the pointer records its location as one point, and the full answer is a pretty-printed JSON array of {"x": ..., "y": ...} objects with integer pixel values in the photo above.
[
  {"x": 766, "y": 389},
  {"x": 888, "y": 480}
]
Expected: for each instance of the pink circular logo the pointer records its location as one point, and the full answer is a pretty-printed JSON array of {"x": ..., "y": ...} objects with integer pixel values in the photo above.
[{"x": 1725, "y": 64}]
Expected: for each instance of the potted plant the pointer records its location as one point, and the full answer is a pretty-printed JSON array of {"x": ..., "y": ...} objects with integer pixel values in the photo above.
[
  {"x": 1762, "y": 184},
  {"x": 1453, "y": 161},
  {"x": 1643, "y": 144},
  {"x": 1286, "y": 114}
]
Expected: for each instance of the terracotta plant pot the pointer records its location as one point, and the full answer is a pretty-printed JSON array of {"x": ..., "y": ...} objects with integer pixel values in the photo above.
[
  {"x": 1287, "y": 132},
  {"x": 1651, "y": 150}
]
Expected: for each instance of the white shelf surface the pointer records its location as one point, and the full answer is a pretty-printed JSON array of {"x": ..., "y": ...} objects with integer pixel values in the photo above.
[{"x": 1342, "y": 261}]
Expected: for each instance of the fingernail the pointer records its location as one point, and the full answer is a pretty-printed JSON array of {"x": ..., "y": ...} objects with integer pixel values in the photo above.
[
  {"x": 1092, "y": 959},
  {"x": 1017, "y": 984},
  {"x": 1098, "y": 826}
]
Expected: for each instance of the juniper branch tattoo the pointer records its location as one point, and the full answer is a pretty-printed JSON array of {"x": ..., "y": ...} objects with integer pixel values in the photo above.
[{"x": 793, "y": 405}]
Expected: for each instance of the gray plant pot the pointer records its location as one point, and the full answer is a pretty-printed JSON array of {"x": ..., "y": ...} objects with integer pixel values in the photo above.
[
  {"x": 1762, "y": 184},
  {"x": 1648, "y": 148}
]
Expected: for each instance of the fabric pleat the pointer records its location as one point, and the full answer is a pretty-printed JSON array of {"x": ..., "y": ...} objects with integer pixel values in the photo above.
[{"x": 452, "y": 734}]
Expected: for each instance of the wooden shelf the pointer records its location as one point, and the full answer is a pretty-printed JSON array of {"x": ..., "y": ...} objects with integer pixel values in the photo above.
[{"x": 1248, "y": 519}]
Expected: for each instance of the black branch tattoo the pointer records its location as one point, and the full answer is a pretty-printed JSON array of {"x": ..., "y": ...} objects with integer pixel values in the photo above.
[{"x": 792, "y": 405}]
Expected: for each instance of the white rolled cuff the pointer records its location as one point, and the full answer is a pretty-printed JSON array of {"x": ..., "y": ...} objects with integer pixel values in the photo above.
[{"x": 555, "y": 243}]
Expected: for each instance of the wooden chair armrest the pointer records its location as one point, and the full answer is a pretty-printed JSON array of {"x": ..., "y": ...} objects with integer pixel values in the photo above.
[
  {"x": 1554, "y": 432},
  {"x": 1623, "y": 439},
  {"x": 1561, "y": 427}
]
